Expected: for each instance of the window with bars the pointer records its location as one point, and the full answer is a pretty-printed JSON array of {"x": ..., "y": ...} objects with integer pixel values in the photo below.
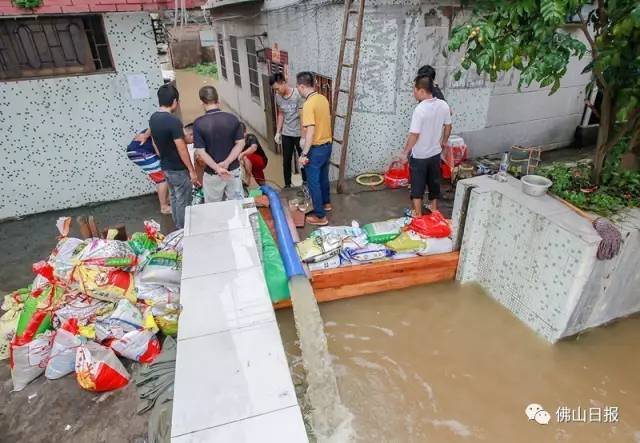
[
  {"x": 235, "y": 60},
  {"x": 223, "y": 60},
  {"x": 53, "y": 46},
  {"x": 252, "y": 60}
]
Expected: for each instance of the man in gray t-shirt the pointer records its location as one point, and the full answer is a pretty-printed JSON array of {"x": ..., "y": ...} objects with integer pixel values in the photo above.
[{"x": 288, "y": 128}]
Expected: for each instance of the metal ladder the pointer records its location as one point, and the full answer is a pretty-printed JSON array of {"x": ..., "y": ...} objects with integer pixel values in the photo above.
[{"x": 351, "y": 8}]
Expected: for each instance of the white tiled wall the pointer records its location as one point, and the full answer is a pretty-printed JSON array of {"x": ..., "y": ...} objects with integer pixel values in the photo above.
[{"x": 64, "y": 139}]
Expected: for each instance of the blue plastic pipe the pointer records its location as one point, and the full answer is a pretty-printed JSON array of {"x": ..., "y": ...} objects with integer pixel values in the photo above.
[{"x": 292, "y": 263}]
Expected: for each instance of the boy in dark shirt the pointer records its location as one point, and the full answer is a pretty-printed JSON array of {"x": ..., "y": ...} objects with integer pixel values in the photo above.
[{"x": 168, "y": 139}]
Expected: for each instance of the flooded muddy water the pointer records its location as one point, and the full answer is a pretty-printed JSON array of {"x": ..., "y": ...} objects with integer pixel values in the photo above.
[{"x": 445, "y": 363}]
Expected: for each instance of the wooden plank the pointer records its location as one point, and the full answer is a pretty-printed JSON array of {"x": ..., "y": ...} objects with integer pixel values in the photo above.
[
  {"x": 373, "y": 278},
  {"x": 384, "y": 270}
]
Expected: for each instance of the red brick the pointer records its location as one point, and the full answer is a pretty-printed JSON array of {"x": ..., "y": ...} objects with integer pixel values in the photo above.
[
  {"x": 57, "y": 2},
  {"x": 49, "y": 9},
  {"x": 12, "y": 10},
  {"x": 75, "y": 8},
  {"x": 150, "y": 7},
  {"x": 102, "y": 8},
  {"x": 128, "y": 8}
]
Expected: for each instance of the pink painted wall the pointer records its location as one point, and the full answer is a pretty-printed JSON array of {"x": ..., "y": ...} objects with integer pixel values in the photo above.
[{"x": 84, "y": 6}]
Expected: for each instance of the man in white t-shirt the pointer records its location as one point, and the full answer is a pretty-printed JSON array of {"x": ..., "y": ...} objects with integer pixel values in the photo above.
[{"x": 428, "y": 134}]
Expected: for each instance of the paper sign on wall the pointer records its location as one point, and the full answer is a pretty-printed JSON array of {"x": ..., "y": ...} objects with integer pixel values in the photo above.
[
  {"x": 138, "y": 87},
  {"x": 207, "y": 38}
]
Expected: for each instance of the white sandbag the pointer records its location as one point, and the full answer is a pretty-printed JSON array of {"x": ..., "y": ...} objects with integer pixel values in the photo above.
[
  {"x": 98, "y": 369},
  {"x": 173, "y": 241},
  {"x": 28, "y": 361},
  {"x": 159, "y": 275},
  {"x": 125, "y": 318},
  {"x": 63, "y": 254},
  {"x": 329, "y": 263},
  {"x": 437, "y": 246},
  {"x": 62, "y": 360},
  {"x": 369, "y": 253},
  {"x": 142, "y": 346},
  {"x": 153, "y": 294}
]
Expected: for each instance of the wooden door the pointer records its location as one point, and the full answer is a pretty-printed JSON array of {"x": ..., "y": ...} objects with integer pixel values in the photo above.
[{"x": 269, "y": 114}]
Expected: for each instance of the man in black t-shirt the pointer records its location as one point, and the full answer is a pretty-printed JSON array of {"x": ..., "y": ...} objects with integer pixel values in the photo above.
[
  {"x": 168, "y": 140},
  {"x": 219, "y": 140}
]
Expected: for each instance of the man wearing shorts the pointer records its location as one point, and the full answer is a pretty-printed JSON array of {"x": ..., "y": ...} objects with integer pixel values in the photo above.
[
  {"x": 219, "y": 139},
  {"x": 429, "y": 132}
]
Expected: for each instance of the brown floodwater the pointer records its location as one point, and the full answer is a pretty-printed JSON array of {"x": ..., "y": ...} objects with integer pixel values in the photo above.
[{"x": 446, "y": 363}]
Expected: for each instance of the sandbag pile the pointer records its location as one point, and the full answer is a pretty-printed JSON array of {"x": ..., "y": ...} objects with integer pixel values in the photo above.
[
  {"x": 335, "y": 246},
  {"x": 91, "y": 302}
]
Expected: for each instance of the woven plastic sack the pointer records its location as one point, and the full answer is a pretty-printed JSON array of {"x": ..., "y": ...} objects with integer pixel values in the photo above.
[
  {"x": 345, "y": 233},
  {"x": 384, "y": 231},
  {"x": 437, "y": 246},
  {"x": 98, "y": 369},
  {"x": 28, "y": 361},
  {"x": 275, "y": 275},
  {"x": 82, "y": 309},
  {"x": 104, "y": 283},
  {"x": 12, "y": 306},
  {"x": 125, "y": 318},
  {"x": 366, "y": 254},
  {"x": 315, "y": 249},
  {"x": 107, "y": 253},
  {"x": 330, "y": 263},
  {"x": 45, "y": 296},
  {"x": 430, "y": 225},
  {"x": 62, "y": 360},
  {"x": 173, "y": 241},
  {"x": 142, "y": 346},
  {"x": 63, "y": 255},
  {"x": 407, "y": 242},
  {"x": 143, "y": 243}
]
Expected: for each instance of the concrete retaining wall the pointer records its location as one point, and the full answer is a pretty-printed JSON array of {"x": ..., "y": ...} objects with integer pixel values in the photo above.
[{"x": 538, "y": 259}]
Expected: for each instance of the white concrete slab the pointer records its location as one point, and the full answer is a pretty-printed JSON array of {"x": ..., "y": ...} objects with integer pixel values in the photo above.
[
  {"x": 230, "y": 376},
  {"x": 220, "y": 302},
  {"x": 217, "y": 252},
  {"x": 266, "y": 428},
  {"x": 215, "y": 217}
]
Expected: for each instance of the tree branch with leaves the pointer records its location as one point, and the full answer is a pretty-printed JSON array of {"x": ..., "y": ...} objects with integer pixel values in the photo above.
[{"x": 534, "y": 38}]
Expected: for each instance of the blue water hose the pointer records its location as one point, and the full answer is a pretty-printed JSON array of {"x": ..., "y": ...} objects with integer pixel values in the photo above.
[{"x": 292, "y": 263}]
